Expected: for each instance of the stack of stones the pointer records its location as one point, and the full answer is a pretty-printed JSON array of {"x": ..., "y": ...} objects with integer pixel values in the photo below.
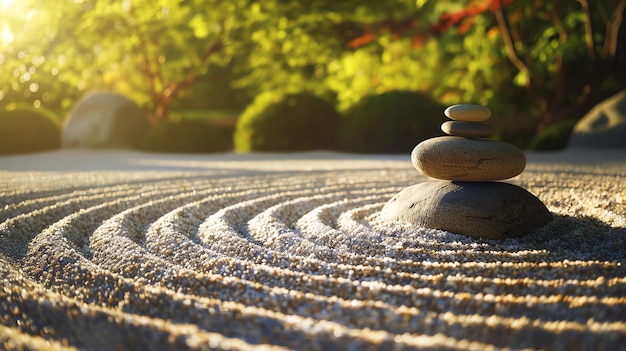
[{"x": 469, "y": 200}]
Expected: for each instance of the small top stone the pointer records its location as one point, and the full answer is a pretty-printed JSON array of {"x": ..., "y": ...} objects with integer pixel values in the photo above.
[{"x": 468, "y": 113}]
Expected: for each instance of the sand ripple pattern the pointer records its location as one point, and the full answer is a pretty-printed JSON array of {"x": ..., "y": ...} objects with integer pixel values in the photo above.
[{"x": 299, "y": 259}]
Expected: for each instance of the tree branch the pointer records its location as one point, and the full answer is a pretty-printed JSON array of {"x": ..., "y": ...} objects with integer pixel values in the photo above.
[
  {"x": 508, "y": 40},
  {"x": 159, "y": 71},
  {"x": 560, "y": 93},
  {"x": 602, "y": 11},
  {"x": 174, "y": 88},
  {"x": 147, "y": 69},
  {"x": 609, "y": 49},
  {"x": 588, "y": 30}
]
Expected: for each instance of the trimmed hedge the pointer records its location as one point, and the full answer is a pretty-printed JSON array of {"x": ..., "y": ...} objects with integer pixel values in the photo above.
[
  {"x": 392, "y": 122},
  {"x": 186, "y": 136},
  {"x": 24, "y": 130},
  {"x": 295, "y": 122}
]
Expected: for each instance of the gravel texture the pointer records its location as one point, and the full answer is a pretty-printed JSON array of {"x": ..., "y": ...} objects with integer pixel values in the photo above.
[{"x": 127, "y": 251}]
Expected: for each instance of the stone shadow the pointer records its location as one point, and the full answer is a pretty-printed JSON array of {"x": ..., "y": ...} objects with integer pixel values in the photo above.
[{"x": 572, "y": 238}]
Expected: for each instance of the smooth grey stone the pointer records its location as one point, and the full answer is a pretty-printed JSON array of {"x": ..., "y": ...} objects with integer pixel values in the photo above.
[
  {"x": 490, "y": 210},
  {"x": 462, "y": 159},
  {"x": 467, "y": 129},
  {"x": 105, "y": 120},
  {"x": 604, "y": 127},
  {"x": 468, "y": 113}
]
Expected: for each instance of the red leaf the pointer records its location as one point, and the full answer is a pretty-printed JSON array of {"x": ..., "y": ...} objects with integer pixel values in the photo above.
[
  {"x": 418, "y": 40},
  {"x": 466, "y": 25},
  {"x": 362, "y": 40},
  {"x": 465, "y": 17}
]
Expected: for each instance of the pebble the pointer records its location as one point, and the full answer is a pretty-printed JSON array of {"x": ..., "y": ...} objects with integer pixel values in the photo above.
[
  {"x": 468, "y": 113},
  {"x": 462, "y": 159},
  {"x": 467, "y": 129},
  {"x": 490, "y": 210}
]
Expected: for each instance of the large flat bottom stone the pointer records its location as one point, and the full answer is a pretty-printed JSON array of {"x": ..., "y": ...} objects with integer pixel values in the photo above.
[{"x": 490, "y": 210}]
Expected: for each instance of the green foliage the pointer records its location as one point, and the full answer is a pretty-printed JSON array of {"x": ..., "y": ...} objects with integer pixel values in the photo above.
[
  {"x": 287, "y": 49},
  {"x": 26, "y": 130},
  {"x": 172, "y": 54},
  {"x": 549, "y": 66},
  {"x": 51, "y": 53},
  {"x": 388, "y": 65},
  {"x": 43, "y": 60},
  {"x": 392, "y": 122},
  {"x": 156, "y": 49},
  {"x": 294, "y": 122},
  {"x": 554, "y": 137},
  {"x": 186, "y": 136}
]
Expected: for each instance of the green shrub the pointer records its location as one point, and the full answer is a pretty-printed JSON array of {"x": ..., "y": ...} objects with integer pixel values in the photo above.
[
  {"x": 26, "y": 130},
  {"x": 186, "y": 136},
  {"x": 295, "y": 122},
  {"x": 392, "y": 122},
  {"x": 553, "y": 137}
]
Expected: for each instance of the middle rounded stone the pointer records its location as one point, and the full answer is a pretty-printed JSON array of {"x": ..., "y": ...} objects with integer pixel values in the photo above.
[{"x": 470, "y": 160}]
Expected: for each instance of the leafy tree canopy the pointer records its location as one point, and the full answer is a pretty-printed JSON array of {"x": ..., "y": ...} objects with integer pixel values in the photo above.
[
  {"x": 548, "y": 60},
  {"x": 533, "y": 62}
]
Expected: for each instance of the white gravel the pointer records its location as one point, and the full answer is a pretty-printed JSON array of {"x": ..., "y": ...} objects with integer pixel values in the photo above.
[{"x": 126, "y": 250}]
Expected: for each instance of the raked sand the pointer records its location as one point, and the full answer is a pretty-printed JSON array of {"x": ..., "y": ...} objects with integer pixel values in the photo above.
[{"x": 128, "y": 251}]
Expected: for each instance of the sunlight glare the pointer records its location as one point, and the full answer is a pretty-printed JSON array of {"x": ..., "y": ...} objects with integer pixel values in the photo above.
[
  {"x": 7, "y": 3},
  {"x": 6, "y": 36}
]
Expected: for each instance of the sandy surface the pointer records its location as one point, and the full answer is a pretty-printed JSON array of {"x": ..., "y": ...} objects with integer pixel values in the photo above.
[{"x": 124, "y": 250}]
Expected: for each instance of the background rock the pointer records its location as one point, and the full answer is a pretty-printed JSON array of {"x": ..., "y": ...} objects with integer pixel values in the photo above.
[
  {"x": 604, "y": 126},
  {"x": 105, "y": 120}
]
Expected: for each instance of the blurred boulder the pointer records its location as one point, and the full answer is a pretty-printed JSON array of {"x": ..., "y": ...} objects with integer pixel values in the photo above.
[
  {"x": 105, "y": 120},
  {"x": 603, "y": 127}
]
